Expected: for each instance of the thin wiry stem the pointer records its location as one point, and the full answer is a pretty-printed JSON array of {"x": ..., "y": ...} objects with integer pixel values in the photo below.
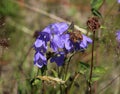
[
  {"x": 92, "y": 64},
  {"x": 67, "y": 66}
]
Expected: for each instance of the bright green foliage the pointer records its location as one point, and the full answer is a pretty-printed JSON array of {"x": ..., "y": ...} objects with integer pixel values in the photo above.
[
  {"x": 96, "y": 4},
  {"x": 8, "y": 8},
  {"x": 35, "y": 81},
  {"x": 98, "y": 71},
  {"x": 96, "y": 13}
]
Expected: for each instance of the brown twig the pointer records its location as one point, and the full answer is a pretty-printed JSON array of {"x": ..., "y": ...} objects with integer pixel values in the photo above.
[{"x": 92, "y": 65}]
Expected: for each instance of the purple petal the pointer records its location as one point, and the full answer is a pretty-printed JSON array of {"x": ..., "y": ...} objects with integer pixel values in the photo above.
[
  {"x": 39, "y": 64},
  {"x": 89, "y": 40},
  {"x": 57, "y": 39},
  {"x": 47, "y": 29},
  {"x": 86, "y": 40},
  {"x": 59, "y": 28},
  {"x": 59, "y": 59},
  {"x": 53, "y": 46},
  {"x": 36, "y": 56},
  {"x": 44, "y": 36},
  {"x": 39, "y": 59},
  {"x": 118, "y": 35},
  {"x": 83, "y": 43},
  {"x": 38, "y": 43}
]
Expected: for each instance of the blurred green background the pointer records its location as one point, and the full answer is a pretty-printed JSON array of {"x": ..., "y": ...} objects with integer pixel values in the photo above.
[{"x": 19, "y": 19}]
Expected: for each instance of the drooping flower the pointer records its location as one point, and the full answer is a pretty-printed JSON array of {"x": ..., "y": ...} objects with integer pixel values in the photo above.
[
  {"x": 58, "y": 58},
  {"x": 86, "y": 40},
  {"x": 39, "y": 59},
  {"x": 41, "y": 42},
  {"x": 82, "y": 44}
]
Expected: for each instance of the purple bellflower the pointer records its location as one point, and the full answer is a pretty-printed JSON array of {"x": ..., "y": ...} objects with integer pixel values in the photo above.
[
  {"x": 59, "y": 38},
  {"x": 58, "y": 58},
  {"x": 82, "y": 44},
  {"x": 39, "y": 59}
]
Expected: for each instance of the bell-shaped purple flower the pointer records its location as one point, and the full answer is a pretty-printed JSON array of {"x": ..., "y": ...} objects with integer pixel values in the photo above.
[
  {"x": 41, "y": 42},
  {"x": 67, "y": 42},
  {"x": 56, "y": 28},
  {"x": 81, "y": 45},
  {"x": 86, "y": 40},
  {"x": 39, "y": 59},
  {"x": 58, "y": 58},
  {"x": 61, "y": 41}
]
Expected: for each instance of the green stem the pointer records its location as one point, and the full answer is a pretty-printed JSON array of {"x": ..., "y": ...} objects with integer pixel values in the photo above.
[
  {"x": 75, "y": 77},
  {"x": 67, "y": 66}
]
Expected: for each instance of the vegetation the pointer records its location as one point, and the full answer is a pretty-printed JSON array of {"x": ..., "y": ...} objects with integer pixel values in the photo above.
[{"x": 94, "y": 69}]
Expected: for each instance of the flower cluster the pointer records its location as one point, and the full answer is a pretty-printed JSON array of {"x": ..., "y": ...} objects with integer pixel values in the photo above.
[{"x": 57, "y": 37}]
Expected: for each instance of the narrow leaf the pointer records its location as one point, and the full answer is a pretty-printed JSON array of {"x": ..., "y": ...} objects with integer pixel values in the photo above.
[
  {"x": 99, "y": 70},
  {"x": 83, "y": 67},
  {"x": 96, "y": 4},
  {"x": 96, "y": 13}
]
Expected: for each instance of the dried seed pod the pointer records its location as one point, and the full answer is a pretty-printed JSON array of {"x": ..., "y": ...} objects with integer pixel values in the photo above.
[
  {"x": 49, "y": 55},
  {"x": 93, "y": 23},
  {"x": 75, "y": 36},
  {"x": 4, "y": 42},
  {"x": 36, "y": 34}
]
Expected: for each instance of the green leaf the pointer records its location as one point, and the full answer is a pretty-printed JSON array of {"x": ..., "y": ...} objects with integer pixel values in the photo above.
[
  {"x": 67, "y": 77},
  {"x": 83, "y": 67},
  {"x": 8, "y": 8},
  {"x": 99, "y": 70},
  {"x": 102, "y": 27},
  {"x": 96, "y": 4},
  {"x": 43, "y": 69},
  {"x": 35, "y": 81},
  {"x": 55, "y": 73},
  {"x": 96, "y": 13},
  {"x": 95, "y": 78}
]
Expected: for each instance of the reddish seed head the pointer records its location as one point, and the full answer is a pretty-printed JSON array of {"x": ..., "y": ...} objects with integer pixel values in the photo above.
[
  {"x": 4, "y": 42},
  {"x": 75, "y": 36},
  {"x": 93, "y": 23}
]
